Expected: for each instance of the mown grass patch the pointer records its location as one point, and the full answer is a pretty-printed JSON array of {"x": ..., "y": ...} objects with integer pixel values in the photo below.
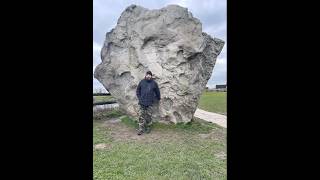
[
  {"x": 213, "y": 102},
  {"x": 180, "y": 153}
]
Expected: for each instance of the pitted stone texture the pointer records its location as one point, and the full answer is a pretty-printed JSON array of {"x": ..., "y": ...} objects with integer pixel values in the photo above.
[{"x": 170, "y": 43}]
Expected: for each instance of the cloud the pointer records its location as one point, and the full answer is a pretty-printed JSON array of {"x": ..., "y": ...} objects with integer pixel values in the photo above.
[
  {"x": 209, "y": 12},
  {"x": 219, "y": 74},
  {"x": 98, "y": 86},
  {"x": 96, "y": 60},
  {"x": 96, "y": 53},
  {"x": 218, "y": 31}
]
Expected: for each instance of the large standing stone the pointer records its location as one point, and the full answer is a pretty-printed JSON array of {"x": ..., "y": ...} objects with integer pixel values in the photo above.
[{"x": 170, "y": 43}]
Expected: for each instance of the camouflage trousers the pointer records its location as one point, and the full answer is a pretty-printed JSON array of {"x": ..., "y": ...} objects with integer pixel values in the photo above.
[{"x": 145, "y": 117}]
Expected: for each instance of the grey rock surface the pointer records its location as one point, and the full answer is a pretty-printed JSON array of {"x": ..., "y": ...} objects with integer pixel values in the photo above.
[{"x": 170, "y": 43}]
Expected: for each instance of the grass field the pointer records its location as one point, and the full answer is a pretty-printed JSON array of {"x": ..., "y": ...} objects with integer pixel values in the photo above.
[
  {"x": 214, "y": 102},
  {"x": 196, "y": 150},
  {"x": 104, "y": 98}
]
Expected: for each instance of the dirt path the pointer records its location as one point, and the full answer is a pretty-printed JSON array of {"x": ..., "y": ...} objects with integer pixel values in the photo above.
[{"x": 211, "y": 117}]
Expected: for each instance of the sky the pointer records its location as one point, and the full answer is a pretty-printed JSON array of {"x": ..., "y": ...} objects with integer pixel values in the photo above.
[{"x": 211, "y": 13}]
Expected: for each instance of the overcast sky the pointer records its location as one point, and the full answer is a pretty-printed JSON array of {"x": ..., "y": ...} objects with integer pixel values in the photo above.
[{"x": 211, "y": 13}]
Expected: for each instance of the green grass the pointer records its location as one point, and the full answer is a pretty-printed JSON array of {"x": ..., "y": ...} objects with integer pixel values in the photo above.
[
  {"x": 104, "y": 98},
  {"x": 103, "y": 114},
  {"x": 213, "y": 102},
  {"x": 191, "y": 160},
  {"x": 196, "y": 126},
  {"x": 186, "y": 157},
  {"x": 129, "y": 122}
]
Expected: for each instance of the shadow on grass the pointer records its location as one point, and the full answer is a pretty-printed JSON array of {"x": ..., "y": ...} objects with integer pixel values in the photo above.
[{"x": 195, "y": 126}]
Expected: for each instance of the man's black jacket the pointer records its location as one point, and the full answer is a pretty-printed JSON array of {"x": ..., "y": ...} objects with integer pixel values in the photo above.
[{"x": 147, "y": 91}]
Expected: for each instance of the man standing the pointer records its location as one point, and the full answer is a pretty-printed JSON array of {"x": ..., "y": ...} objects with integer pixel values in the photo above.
[{"x": 147, "y": 91}]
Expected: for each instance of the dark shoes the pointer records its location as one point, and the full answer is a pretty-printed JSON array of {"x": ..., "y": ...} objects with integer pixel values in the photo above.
[
  {"x": 140, "y": 132},
  {"x": 147, "y": 130}
]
